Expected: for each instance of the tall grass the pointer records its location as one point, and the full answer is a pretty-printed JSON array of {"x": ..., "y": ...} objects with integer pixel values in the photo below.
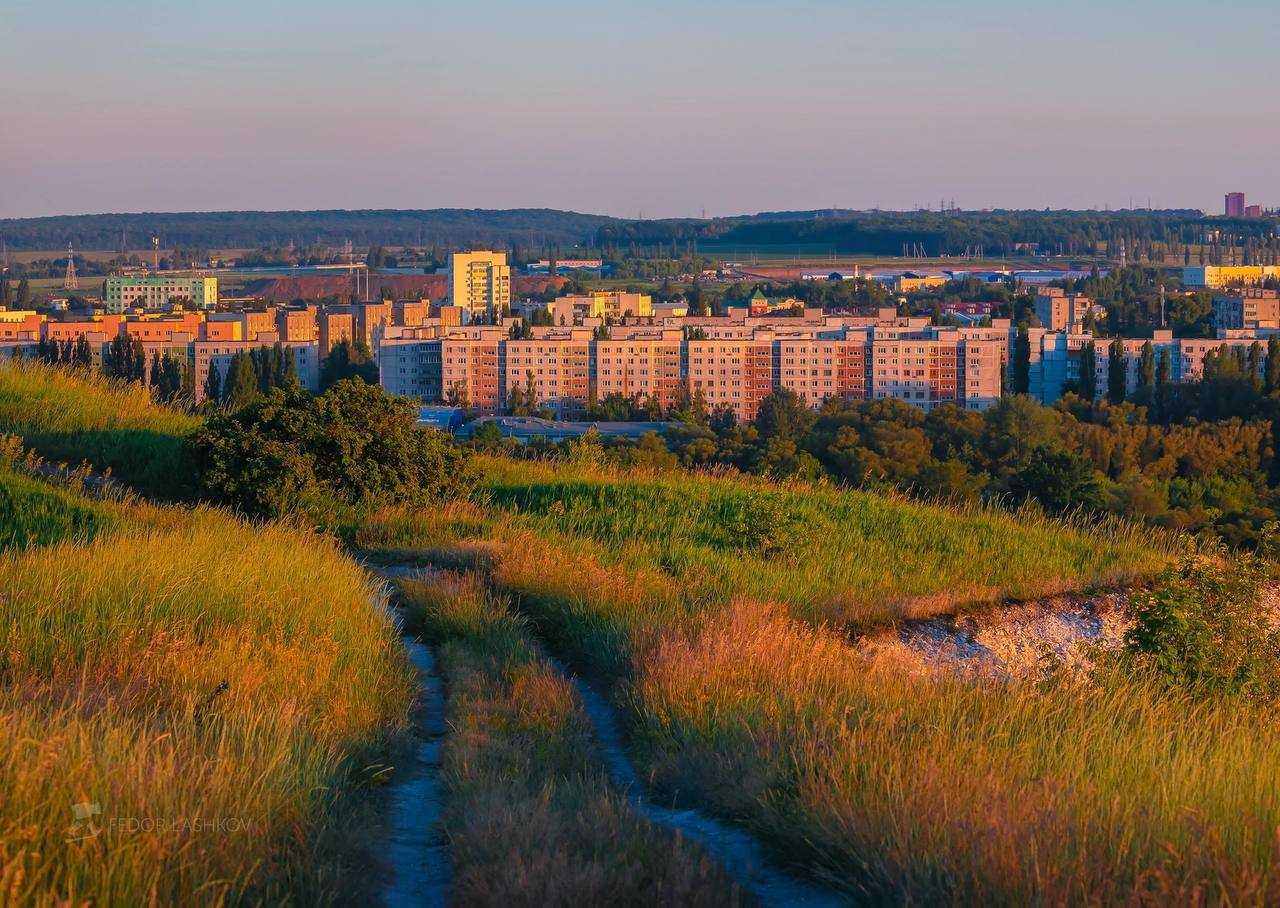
[
  {"x": 213, "y": 695},
  {"x": 831, "y": 555},
  {"x": 896, "y": 786},
  {"x": 79, "y": 416},
  {"x": 532, "y": 818},
  {"x": 33, "y": 513}
]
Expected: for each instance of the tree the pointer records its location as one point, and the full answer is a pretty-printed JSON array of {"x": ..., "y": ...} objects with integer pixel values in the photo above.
[
  {"x": 213, "y": 387},
  {"x": 83, "y": 356},
  {"x": 1089, "y": 372},
  {"x": 1272, "y": 382},
  {"x": 23, "y": 299},
  {"x": 1204, "y": 628},
  {"x": 1014, "y": 428},
  {"x": 1145, "y": 394},
  {"x": 1059, "y": 480},
  {"x": 346, "y": 361},
  {"x": 457, "y": 396},
  {"x": 241, "y": 386},
  {"x": 1117, "y": 372},
  {"x": 1255, "y": 366},
  {"x": 524, "y": 401},
  {"x": 1164, "y": 383},
  {"x": 290, "y": 451},
  {"x": 784, "y": 415},
  {"x": 696, "y": 299},
  {"x": 487, "y": 436},
  {"x": 1022, "y": 362}
]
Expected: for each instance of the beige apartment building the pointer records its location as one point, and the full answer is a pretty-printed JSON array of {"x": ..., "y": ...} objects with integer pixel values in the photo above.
[
  {"x": 216, "y": 354},
  {"x": 817, "y": 369},
  {"x": 1249, "y": 310},
  {"x": 574, "y": 310},
  {"x": 557, "y": 365},
  {"x": 480, "y": 282},
  {"x": 469, "y": 365},
  {"x": 1058, "y": 310},
  {"x": 634, "y": 363},
  {"x": 734, "y": 373}
]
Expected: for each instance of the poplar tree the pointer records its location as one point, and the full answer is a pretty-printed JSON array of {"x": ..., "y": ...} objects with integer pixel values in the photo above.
[
  {"x": 1089, "y": 372},
  {"x": 1116, "y": 372}
]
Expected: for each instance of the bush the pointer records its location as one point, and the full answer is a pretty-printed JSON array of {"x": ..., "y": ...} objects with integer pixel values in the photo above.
[
  {"x": 290, "y": 451},
  {"x": 1204, "y": 628}
]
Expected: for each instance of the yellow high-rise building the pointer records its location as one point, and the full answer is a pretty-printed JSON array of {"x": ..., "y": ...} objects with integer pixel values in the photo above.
[{"x": 480, "y": 282}]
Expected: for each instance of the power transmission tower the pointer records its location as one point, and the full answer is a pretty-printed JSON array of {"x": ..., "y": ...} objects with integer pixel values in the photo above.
[{"x": 70, "y": 282}]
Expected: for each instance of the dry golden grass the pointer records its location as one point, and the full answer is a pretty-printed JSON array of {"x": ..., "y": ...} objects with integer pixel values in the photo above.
[
  {"x": 911, "y": 789},
  {"x": 217, "y": 690}
]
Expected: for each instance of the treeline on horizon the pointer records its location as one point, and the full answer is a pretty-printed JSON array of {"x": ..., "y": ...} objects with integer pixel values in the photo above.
[
  {"x": 251, "y": 229},
  {"x": 994, "y": 233}
]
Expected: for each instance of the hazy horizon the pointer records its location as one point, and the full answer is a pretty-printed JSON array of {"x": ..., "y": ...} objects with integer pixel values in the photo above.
[{"x": 658, "y": 110}]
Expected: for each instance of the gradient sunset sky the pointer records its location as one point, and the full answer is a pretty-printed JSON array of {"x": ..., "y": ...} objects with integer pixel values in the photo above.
[{"x": 659, "y": 108}]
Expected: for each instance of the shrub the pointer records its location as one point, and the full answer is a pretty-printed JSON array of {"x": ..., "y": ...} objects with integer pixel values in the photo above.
[
  {"x": 290, "y": 451},
  {"x": 1204, "y": 627}
]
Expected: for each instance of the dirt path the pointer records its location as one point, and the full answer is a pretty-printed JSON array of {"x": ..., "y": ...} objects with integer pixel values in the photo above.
[
  {"x": 735, "y": 849},
  {"x": 416, "y": 849}
]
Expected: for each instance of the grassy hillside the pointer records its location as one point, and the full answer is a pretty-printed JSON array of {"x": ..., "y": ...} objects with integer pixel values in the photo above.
[
  {"x": 854, "y": 558},
  {"x": 190, "y": 707},
  {"x": 711, "y": 609},
  {"x": 78, "y": 416}
]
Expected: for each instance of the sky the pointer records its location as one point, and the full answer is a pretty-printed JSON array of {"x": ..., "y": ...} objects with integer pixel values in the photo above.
[{"x": 655, "y": 109}]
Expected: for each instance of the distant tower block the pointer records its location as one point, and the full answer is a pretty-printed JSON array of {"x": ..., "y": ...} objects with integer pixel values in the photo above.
[{"x": 71, "y": 282}]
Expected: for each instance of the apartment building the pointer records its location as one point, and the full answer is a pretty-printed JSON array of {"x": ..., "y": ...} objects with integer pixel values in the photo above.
[
  {"x": 816, "y": 369},
  {"x": 737, "y": 373},
  {"x": 334, "y": 327},
  {"x": 412, "y": 367},
  {"x": 1219, "y": 277},
  {"x": 574, "y": 310},
  {"x": 480, "y": 282},
  {"x": 919, "y": 370},
  {"x": 1058, "y": 310},
  {"x": 1250, "y": 309},
  {"x": 636, "y": 362},
  {"x": 469, "y": 366},
  {"x": 160, "y": 292},
  {"x": 217, "y": 354},
  {"x": 298, "y": 324},
  {"x": 556, "y": 367},
  {"x": 20, "y": 324}
]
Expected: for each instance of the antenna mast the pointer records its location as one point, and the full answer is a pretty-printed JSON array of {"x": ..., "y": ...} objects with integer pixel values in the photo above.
[{"x": 70, "y": 282}]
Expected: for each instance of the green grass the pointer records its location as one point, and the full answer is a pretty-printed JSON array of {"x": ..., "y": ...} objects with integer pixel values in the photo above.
[
  {"x": 220, "y": 691},
  {"x": 82, "y": 417},
  {"x": 34, "y": 513},
  {"x": 532, "y": 818},
  {"x": 848, "y": 557}
]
